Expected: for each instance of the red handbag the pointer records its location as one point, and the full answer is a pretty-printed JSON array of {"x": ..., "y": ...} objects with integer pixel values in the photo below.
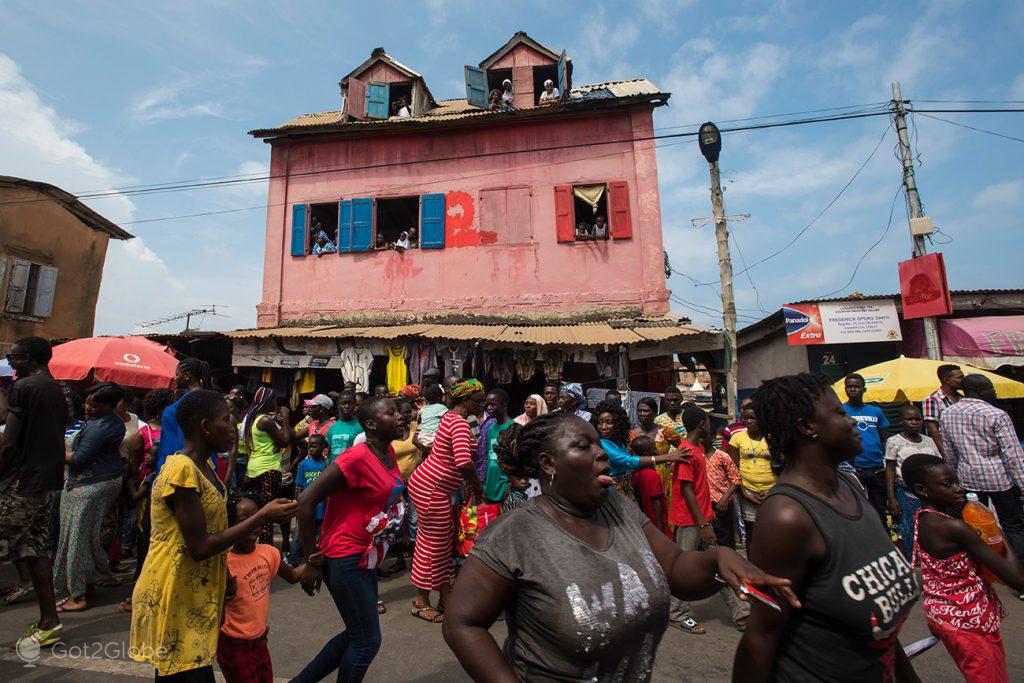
[{"x": 472, "y": 520}]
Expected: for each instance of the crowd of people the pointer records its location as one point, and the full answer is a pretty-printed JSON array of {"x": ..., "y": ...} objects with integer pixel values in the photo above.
[{"x": 608, "y": 524}]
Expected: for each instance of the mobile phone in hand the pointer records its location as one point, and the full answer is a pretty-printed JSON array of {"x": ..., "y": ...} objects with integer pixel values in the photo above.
[{"x": 760, "y": 596}]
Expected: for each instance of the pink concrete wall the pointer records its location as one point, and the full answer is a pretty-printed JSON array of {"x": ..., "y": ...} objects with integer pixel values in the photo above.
[{"x": 540, "y": 276}]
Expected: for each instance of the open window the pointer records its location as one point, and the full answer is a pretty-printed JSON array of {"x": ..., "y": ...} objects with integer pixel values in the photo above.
[
  {"x": 397, "y": 93},
  {"x": 398, "y": 222},
  {"x": 30, "y": 288},
  {"x": 323, "y": 218},
  {"x": 593, "y": 212},
  {"x": 541, "y": 74},
  {"x": 495, "y": 78}
]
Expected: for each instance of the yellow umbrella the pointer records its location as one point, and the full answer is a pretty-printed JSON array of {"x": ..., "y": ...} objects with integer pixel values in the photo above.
[{"x": 912, "y": 379}]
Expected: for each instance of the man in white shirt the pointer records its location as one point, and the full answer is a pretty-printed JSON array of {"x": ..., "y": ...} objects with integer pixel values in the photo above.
[{"x": 550, "y": 94}]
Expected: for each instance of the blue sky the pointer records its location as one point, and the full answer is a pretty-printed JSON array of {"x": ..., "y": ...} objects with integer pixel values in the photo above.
[{"x": 100, "y": 94}]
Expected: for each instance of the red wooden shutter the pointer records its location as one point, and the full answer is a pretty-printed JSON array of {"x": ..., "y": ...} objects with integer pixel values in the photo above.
[
  {"x": 564, "y": 213},
  {"x": 620, "y": 220}
]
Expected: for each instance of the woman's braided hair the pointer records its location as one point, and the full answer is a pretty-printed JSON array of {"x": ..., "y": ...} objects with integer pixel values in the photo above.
[
  {"x": 518, "y": 448},
  {"x": 780, "y": 404},
  {"x": 621, "y": 417}
]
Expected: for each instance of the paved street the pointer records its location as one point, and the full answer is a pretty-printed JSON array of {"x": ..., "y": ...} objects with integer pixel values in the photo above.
[{"x": 413, "y": 650}]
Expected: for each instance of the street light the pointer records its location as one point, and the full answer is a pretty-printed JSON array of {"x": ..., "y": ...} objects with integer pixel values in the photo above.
[{"x": 710, "y": 141}]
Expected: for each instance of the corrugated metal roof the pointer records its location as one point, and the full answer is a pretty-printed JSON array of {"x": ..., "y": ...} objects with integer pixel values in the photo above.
[
  {"x": 584, "y": 334},
  {"x": 857, "y": 296},
  {"x": 455, "y": 109}
]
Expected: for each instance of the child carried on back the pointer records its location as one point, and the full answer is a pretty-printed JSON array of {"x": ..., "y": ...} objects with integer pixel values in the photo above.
[{"x": 962, "y": 609}]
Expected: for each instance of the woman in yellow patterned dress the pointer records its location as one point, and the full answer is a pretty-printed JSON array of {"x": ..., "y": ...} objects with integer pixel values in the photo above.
[{"x": 179, "y": 597}]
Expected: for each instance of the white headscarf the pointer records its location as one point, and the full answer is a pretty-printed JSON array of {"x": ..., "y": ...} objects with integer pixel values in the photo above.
[{"x": 542, "y": 408}]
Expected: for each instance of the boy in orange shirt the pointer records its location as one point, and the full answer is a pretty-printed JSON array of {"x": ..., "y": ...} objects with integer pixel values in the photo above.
[{"x": 242, "y": 647}]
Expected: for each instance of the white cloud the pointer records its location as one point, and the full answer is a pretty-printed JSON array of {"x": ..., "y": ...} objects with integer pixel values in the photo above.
[
  {"x": 1004, "y": 194},
  {"x": 1017, "y": 89},
  {"x": 170, "y": 101},
  {"x": 713, "y": 83},
  {"x": 36, "y": 143}
]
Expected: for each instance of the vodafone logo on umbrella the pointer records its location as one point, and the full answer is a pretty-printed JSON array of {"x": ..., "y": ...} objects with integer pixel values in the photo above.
[{"x": 132, "y": 360}]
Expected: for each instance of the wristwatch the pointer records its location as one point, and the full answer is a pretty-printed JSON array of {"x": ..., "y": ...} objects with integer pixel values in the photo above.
[{"x": 703, "y": 524}]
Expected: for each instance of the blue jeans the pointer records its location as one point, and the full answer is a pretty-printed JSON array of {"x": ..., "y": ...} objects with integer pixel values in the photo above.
[
  {"x": 350, "y": 652},
  {"x": 909, "y": 505}
]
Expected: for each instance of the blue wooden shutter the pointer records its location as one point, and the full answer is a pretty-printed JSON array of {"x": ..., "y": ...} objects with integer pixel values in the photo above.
[
  {"x": 362, "y": 224},
  {"x": 563, "y": 76},
  {"x": 377, "y": 100},
  {"x": 432, "y": 221},
  {"x": 476, "y": 86},
  {"x": 345, "y": 225},
  {"x": 299, "y": 229}
]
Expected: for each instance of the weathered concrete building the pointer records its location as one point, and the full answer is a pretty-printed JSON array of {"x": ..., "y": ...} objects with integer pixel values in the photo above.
[{"x": 52, "y": 250}]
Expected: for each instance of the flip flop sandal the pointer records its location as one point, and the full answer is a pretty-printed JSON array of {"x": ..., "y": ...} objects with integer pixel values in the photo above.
[
  {"x": 690, "y": 625},
  {"x": 418, "y": 612},
  {"x": 125, "y": 606},
  {"x": 18, "y": 593},
  {"x": 381, "y": 607},
  {"x": 62, "y": 607}
]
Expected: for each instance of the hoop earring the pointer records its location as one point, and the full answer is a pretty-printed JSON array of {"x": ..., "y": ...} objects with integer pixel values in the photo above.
[{"x": 551, "y": 480}]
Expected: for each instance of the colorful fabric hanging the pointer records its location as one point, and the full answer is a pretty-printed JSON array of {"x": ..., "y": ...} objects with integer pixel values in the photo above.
[
  {"x": 526, "y": 364},
  {"x": 398, "y": 372}
]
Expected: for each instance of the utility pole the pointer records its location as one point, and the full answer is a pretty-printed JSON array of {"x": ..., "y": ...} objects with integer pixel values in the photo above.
[
  {"x": 710, "y": 141},
  {"x": 931, "y": 327}
]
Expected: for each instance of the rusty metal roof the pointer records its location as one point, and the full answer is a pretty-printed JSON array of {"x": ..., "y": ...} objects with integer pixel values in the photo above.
[
  {"x": 584, "y": 334},
  {"x": 458, "y": 109}
]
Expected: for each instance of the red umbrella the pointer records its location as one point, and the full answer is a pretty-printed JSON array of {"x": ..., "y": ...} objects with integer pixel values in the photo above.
[{"x": 129, "y": 361}]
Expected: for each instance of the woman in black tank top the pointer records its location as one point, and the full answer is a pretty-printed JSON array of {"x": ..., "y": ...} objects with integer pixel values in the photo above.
[{"x": 817, "y": 530}]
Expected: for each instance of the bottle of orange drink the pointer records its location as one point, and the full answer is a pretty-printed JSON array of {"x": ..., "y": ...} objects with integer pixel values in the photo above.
[{"x": 983, "y": 521}]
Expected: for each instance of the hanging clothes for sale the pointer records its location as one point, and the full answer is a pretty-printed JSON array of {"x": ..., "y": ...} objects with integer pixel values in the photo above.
[
  {"x": 266, "y": 377},
  {"x": 500, "y": 365},
  {"x": 253, "y": 381},
  {"x": 281, "y": 381},
  {"x": 455, "y": 356},
  {"x": 356, "y": 364},
  {"x": 307, "y": 381},
  {"x": 421, "y": 356},
  {"x": 526, "y": 364},
  {"x": 607, "y": 364},
  {"x": 398, "y": 372},
  {"x": 554, "y": 360}
]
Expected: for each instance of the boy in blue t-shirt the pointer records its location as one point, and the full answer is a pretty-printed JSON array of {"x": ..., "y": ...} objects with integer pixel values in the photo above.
[
  {"x": 311, "y": 467},
  {"x": 872, "y": 425}
]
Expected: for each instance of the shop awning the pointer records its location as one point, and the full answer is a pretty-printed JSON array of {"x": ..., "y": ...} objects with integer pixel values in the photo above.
[
  {"x": 985, "y": 342},
  {"x": 612, "y": 333}
]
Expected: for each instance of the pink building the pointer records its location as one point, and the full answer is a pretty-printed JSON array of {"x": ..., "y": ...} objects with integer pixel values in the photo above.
[{"x": 402, "y": 207}]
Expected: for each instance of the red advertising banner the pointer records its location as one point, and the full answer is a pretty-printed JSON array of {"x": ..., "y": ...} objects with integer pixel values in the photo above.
[
  {"x": 803, "y": 324},
  {"x": 924, "y": 287}
]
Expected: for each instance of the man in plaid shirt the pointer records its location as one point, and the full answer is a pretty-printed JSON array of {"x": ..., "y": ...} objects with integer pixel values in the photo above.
[
  {"x": 983, "y": 449},
  {"x": 951, "y": 377}
]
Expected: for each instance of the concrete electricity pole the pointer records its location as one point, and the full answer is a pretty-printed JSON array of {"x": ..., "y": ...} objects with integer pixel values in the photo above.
[
  {"x": 931, "y": 328},
  {"x": 710, "y": 141}
]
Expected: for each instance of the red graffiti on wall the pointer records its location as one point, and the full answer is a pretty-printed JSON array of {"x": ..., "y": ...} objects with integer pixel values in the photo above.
[{"x": 459, "y": 210}]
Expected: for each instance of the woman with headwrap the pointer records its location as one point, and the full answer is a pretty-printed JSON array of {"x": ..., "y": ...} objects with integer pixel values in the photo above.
[
  {"x": 449, "y": 464},
  {"x": 533, "y": 408},
  {"x": 571, "y": 399},
  {"x": 264, "y": 439}
]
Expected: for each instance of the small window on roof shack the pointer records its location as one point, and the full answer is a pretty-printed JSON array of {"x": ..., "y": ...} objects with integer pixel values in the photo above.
[
  {"x": 398, "y": 223},
  {"x": 323, "y": 229},
  {"x": 541, "y": 74},
  {"x": 590, "y": 205},
  {"x": 400, "y": 99}
]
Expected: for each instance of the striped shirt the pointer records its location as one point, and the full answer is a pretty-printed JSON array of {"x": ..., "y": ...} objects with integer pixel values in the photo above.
[
  {"x": 453, "y": 449},
  {"x": 982, "y": 446}
]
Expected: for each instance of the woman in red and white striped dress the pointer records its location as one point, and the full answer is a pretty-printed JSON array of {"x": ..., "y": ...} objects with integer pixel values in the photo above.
[{"x": 449, "y": 464}]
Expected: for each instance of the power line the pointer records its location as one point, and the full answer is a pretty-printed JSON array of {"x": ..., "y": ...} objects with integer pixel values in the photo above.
[
  {"x": 964, "y": 125},
  {"x": 967, "y": 111},
  {"x": 179, "y": 187},
  {"x": 861, "y": 108},
  {"x": 821, "y": 213},
  {"x": 892, "y": 210},
  {"x": 743, "y": 262},
  {"x": 971, "y": 101}
]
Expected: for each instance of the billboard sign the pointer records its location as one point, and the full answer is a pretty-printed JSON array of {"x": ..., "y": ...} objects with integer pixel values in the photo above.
[{"x": 841, "y": 322}]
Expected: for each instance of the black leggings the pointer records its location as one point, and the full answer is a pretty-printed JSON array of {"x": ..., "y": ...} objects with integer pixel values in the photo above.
[{"x": 203, "y": 674}]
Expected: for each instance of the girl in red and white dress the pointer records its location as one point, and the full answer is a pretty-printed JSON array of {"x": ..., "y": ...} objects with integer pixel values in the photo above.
[{"x": 962, "y": 608}]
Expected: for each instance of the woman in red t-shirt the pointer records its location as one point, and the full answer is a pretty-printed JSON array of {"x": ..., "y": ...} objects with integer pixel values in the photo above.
[{"x": 363, "y": 488}]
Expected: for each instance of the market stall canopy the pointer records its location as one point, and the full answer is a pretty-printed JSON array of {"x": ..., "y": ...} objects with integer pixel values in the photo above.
[
  {"x": 129, "y": 361},
  {"x": 986, "y": 342},
  {"x": 912, "y": 379}
]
